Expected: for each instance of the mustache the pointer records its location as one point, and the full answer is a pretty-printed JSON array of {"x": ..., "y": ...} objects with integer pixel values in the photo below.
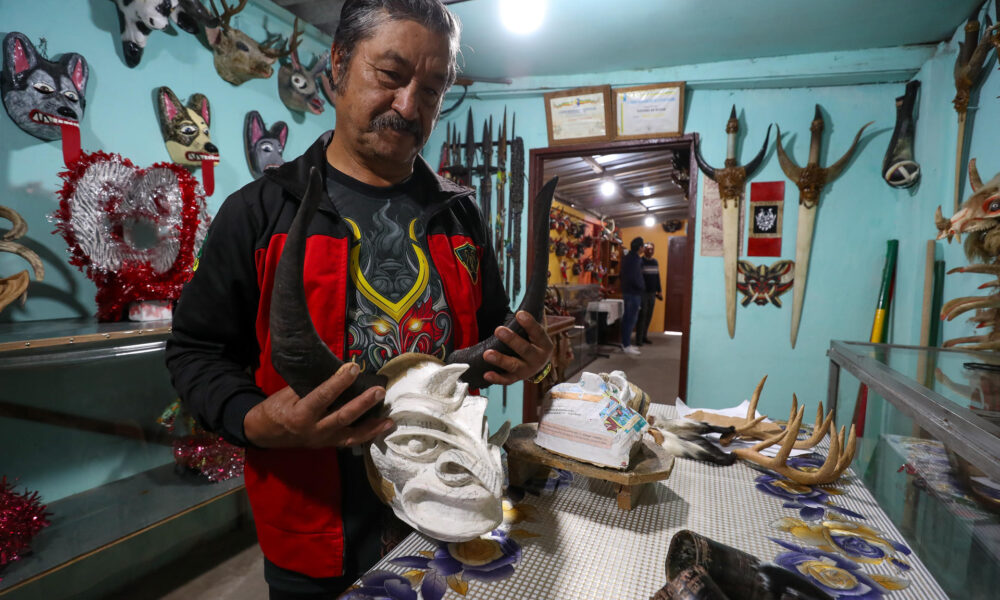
[{"x": 392, "y": 120}]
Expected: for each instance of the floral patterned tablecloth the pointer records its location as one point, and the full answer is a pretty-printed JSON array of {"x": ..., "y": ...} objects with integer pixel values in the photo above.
[{"x": 565, "y": 538}]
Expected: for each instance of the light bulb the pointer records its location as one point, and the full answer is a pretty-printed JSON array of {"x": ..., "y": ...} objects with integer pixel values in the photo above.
[
  {"x": 649, "y": 221},
  {"x": 608, "y": 188},
  {"x": 522, "y": 16}
]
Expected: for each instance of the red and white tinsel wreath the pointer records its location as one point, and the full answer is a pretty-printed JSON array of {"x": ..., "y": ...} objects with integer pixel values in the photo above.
[{"x": 133, "y": 231}]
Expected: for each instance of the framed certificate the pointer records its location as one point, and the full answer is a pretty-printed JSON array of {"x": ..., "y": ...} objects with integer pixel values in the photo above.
[
  {"x": 649, "y": 111},
  {"x": 579, "y": 115}
]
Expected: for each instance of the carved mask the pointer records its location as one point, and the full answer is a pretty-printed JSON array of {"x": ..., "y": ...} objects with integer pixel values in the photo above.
[
  {"x": 139, "y": 18},
  {"x": 263, "y": 146},
  {"x": 44, "y": 98},
  {"x": 238, "y": 57},
  {"x": 297, "y": 85},
  {"x": 437, "y": 468},
  {"x": 185, "y": 128}
]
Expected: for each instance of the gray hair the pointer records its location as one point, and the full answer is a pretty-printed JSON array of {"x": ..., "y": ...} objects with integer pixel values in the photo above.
[{"x": 360, "y": 18}]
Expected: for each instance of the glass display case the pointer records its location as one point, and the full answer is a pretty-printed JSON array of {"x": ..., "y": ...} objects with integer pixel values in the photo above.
[
  {"x": 929, "y": 431},
  {"x": 79, "y": 403}
]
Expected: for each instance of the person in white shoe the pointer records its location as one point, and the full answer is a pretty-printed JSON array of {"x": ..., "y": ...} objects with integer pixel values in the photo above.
[{"x": 633, "y": 286}]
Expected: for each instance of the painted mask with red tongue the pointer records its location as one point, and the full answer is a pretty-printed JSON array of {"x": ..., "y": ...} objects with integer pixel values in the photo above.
[
  {"x": 44, "y": 98},
  {"x": 185, "y": 132}
]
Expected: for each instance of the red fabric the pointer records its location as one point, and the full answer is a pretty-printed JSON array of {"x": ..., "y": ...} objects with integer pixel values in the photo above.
[
  {"x": 295, "y": 493},
  {"x": 772, "y": 192}
]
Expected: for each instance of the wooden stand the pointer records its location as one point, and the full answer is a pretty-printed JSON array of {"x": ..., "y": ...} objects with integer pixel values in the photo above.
[{"x": 651, "y": 463}]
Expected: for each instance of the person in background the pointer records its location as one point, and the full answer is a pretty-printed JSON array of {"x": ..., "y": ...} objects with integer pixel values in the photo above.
[
  {"x": 633, "y": 287},
  {"x": 651, "y": 277}
]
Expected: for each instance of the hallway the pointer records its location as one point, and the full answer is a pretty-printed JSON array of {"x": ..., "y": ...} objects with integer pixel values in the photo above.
[{"x": 656, "y": 370}]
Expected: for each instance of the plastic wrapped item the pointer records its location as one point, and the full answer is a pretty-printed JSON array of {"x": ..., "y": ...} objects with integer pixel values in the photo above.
[{"x": 599, "y": 419}]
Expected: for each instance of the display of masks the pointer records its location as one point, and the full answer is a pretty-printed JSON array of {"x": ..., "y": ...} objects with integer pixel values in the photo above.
[{"x": 263, "y": 146}]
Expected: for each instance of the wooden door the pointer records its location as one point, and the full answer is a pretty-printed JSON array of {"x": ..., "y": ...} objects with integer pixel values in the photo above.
[{"x": 678, "y": 284}]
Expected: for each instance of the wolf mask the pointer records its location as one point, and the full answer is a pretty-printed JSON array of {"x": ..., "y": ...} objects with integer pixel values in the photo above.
[
  {"x": 40, "y": 95},
  {"x": 185, "y": 128},
  {"x": 263, "y": 146},
  {"x": 139, "y": 18}
]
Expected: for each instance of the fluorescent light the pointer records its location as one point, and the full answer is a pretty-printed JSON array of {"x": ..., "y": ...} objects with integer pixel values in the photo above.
[
  {"x": 608, "y": 188},
  {"x": 649, "y": 221},
  {"x": 522, "y": 16},
  {"x": 645, "y": 189}
]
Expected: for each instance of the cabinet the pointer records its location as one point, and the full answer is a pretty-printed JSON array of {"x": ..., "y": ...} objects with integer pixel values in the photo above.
[
  {"x": 79, "y": 403},
  {"x": 930, "y": 452}
]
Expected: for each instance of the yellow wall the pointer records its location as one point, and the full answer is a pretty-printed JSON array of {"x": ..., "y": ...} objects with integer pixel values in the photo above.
[
  {"x": 661, "y": 240},
  {"x": 555, "y": 276}
]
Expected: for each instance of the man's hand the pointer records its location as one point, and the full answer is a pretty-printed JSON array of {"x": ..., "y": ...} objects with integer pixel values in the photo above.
[
  {"x": 284, "y": 420},
  {"x": 533, "y": 352},
  {"x": 659, "y": 296}
]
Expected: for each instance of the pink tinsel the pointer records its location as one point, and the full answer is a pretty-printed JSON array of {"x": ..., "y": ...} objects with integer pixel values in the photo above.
[
  {"x": 22, "y": 516},
  {"x": 210, "y": 455}
]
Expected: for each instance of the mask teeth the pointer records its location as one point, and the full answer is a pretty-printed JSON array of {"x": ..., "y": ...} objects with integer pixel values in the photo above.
[
  {"x": 202, "y": 156},
  {"x": 45, "y": 118}
]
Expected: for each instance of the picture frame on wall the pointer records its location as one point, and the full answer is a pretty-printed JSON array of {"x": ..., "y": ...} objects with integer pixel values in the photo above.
[
  {"x": 579, "y": 115},
  {"x": 649, "y": 111}
]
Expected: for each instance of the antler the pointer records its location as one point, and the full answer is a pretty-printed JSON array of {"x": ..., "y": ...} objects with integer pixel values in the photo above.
[
  {"x": 755, "y": 428},
  {"x": 292, "y": 46},
  {"x": 837, "y": 460},
  {"x": 227, "y": 13},
  {"x": 16, "y": 286}
]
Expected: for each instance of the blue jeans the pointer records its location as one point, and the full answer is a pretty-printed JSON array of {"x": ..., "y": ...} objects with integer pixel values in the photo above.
[{"x": 631, "y": 316}]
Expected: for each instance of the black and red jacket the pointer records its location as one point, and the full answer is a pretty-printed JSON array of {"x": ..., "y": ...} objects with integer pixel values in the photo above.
[{"x": 220, "y": 350}]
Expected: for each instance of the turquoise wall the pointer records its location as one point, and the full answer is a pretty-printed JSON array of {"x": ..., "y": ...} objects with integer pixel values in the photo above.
[{"x": 120, "y": 117}]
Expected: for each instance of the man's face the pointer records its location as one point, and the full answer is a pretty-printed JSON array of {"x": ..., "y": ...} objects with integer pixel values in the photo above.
[
  {"x": 647, "y": 250},
  {"x": 390, "y": 96}
]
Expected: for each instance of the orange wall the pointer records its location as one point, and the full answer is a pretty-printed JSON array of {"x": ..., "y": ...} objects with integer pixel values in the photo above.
[
  {"x": 555, "y": 276},
  {"x": 661, "y": 239}
]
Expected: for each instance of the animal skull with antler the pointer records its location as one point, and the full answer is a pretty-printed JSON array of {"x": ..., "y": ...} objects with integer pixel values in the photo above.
[
  {"x": 238, "y": 57},
  {"x": 436, "y": 468},
  {"x": 16, "y": 286},
  {"x": 979, "y": 216},
  {"x": 838, "y": 458}
]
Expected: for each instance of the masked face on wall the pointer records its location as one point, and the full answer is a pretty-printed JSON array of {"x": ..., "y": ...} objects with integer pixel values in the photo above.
[
  {"x": 185, "y": 128},
  {"x": 43, "y": 97},
  {"x": 297, "y": 85},
  {"x": 237, "y": 56},
  {"x": 263, "y": 146},
  {"x": 139, "y": 18},
  {"x": 437, "y": 468}
]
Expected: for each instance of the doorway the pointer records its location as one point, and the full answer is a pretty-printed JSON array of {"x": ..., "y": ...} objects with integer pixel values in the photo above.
[{"x": 633, "y": 203}]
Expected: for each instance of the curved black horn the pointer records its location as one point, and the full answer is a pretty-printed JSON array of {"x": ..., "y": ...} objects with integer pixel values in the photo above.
[
  {"x": 297, "y": 352},
  {"x": 702, "y": 164},
  {"x": 754, "y": 164},
  {"x": 534, "y": 295}
]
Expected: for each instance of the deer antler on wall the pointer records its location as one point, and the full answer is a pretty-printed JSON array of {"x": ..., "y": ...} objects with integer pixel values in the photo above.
[
  {"x": 238, "y": 57},
  {"x": 16, "y": 286}
]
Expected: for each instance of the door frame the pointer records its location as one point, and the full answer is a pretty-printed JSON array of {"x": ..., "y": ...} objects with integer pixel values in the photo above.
[{"x": 536, "y": 171}]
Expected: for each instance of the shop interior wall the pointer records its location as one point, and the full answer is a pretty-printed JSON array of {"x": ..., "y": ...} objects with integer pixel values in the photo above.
[
  {"x": 120, "y": 118},
  {"x": 555, "y": 262},
  {"x": 661, "y": 241}
]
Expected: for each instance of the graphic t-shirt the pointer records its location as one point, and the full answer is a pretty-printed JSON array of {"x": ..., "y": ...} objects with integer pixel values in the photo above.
[{"x": 396, "y": 302}]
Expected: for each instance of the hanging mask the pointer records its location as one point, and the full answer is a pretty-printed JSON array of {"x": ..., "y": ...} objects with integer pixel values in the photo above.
[
  {"x": 263, "y": 146},
  {"x": 185, "y": 131},
  {"x": 139, "y": 18},
  {"x": 238, "y": 57},
  {"x": 297, "y": 85},
  {"x": 44, "y": 98},
  {"x": 761, "y": 284}
]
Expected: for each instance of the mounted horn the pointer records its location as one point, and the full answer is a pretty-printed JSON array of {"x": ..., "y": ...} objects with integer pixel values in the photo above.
[
  {"x": 754, "y": 164},
  {"x": 702, "y": 163},
  {"x": 297, "y": 352},
  {"x": 534, "y": 295},
  {"x": 975, "y": 181}
]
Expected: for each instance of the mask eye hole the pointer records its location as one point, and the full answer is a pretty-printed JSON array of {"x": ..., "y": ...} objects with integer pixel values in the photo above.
[
  {"x": 266, "y": 147},
  {"x": 71, "y": 96},
  {"x": 189, "y": 130},
  {"x": 298, "y": 81},
  {"x": 43, "y": 88},
  {"x": 242, "y": 46},
  {"x": 993, "y": 204}
]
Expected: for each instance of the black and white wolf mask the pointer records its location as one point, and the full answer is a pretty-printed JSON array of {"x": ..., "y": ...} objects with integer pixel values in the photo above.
[
  {"x": 263, "y": 146},
  {"x": 40, "y": 95}
]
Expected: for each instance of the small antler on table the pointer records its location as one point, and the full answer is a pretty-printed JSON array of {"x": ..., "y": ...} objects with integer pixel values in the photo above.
[{"x": 755, "y": 428}]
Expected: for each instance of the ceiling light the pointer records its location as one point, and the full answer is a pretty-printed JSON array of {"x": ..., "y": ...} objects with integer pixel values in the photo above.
[
  {"x": 645, "y": 190},
  {"x": 649, "y": 221},
  {"x": 608, "y": 188},
  {"x": 522, "y": 16}
]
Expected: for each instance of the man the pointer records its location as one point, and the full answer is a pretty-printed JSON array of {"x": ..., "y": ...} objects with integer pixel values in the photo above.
[
  {"x": 633, "y": 287},
  {"x": 397, "y": 260},
  {"x": 651, "y": 278}
]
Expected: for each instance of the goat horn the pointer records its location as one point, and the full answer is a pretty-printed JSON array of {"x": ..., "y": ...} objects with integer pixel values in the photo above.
[
  {"x": 534, "y": 295},
  {"x": 754, "y": 164},
  {"x": 974, "y": 180},
  {"x": 702, "y": 163},
  {"x": 298, "y": 354},
  {"x": 792, "y": 170}
]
